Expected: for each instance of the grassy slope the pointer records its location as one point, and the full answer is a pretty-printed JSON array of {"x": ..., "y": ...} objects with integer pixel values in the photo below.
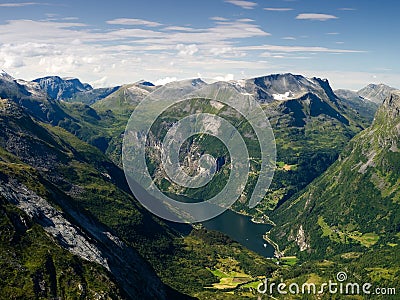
[
  {"x": 350, "y": 214},
  {"x": 355, "y": 203}
]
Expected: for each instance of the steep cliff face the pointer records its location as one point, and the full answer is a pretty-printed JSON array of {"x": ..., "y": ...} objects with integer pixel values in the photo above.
[
  {"x": 52, "y": 220},
  {"x": 88, "y": 240},
  {"x": 33, "y": 265},
  {"x": 391, "y": 105},
  {"x": 355, "y": 203}
]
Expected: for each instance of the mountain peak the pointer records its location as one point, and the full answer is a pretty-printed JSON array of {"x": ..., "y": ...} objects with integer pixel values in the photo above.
[
  {"x": 392, "y": 103},
  {"x": 5, "y": 75},
  {"x": 62, "y": 88},
  {"x": 288, "y": 86},
  {"x": 197, "y": 81},
  {"x": 145, "y": 83},
  {"x": 376, "y": 85},
  {"x": 375, "y": 92}
]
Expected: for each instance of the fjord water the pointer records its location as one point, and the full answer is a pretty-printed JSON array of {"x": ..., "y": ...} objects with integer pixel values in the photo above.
[{"x": 241, "y": 229}]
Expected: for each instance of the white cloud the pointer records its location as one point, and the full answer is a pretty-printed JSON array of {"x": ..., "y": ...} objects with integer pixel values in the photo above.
[
  {"x": 221, "y": 33},
  {"x": 20, "y": 4},
  {"x": 98, "y": 69},
  {"x": 29, "y": 49},
  {"x": 220, "y": 51},
  {"x": 165, "y": 80},
  {"x": 11, "y": 61},
  {"x": 133, "y": 22},
  {"x": 60, "y": 33},
  {"x": 219, "y": 19},
  {"x": 100, "y": 82},
  {"x": 56, "y": 65},
  {"x": 25, "y": 31},
  {"x": 278, "y": 8},
  {"x": 273, "y": 55},
  {"x": 289, "y": 38},
  {"x": 187, "y": 50},
  {"x": 245, "y": 20},
  {"x": 243, "y": 3},
  {"x": 180, "y": 28},
  {"x": 289, "y": 49},
  {"x": 70, "y": 18},
  {"x": 316, "y": 17},
  {"x": 236, "y": 29},
  {"x": 227, "y": 77},
  {"x": 131, "y": 33},
  {"x": 226, "y": 52},
  {"x": 125, "y": 55},
  {"x": 76, "y": 42}
]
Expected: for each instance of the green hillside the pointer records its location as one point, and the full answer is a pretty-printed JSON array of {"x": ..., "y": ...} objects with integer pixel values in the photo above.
[{"x": 354, "y": 205}]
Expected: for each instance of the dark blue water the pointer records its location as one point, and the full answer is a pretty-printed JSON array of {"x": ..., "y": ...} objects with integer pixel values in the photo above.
[{"x": 241, "y": 229}]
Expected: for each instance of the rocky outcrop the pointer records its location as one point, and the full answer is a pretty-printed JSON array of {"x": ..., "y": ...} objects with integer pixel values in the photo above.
[
  {"x": 88, "y": 240},
  {"x": 375, "y": 92},
  {"x": 286, "y": 86},
  {"x": 53, "y": 221},
  {"x": 301, "y": 239},
  {"x": 392, "y": 104}
]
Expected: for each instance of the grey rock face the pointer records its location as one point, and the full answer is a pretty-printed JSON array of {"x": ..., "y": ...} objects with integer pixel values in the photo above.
[
  {"x": 286, "y": 86},
  {"x": 53, "y": 222},
  {"x": 62, "y": 88},
  {"x": 392, "y": 103},
  {"x": 89, "y": 240},
  {"x": 375, "y": 92}
]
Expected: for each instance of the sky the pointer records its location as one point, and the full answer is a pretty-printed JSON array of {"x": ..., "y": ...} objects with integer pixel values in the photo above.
[{"x": 350, "y": 42}]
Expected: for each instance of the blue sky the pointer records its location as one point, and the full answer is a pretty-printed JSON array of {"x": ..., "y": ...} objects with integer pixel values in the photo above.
[{"x": 350, "y": 42}]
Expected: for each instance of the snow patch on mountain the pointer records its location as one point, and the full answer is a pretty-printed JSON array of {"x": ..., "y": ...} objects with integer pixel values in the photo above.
[{"x": 282, "y": 97}]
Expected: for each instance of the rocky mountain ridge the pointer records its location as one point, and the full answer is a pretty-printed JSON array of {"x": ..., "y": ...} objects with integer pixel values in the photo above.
[
  {"x": 376, "y": 93},
  {"x": 58, "y": 88}
]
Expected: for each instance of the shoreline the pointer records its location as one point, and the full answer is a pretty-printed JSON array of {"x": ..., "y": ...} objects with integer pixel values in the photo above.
[
  {"x": 267, "y": 221},
  {"x": 264, "y": 219},
  {"x": 277, "y": 253}
]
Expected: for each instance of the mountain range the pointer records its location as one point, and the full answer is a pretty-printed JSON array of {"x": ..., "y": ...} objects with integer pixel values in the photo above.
[
  {"x": 72, "y": 89},
  {"x": 70, "y": 227}
]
